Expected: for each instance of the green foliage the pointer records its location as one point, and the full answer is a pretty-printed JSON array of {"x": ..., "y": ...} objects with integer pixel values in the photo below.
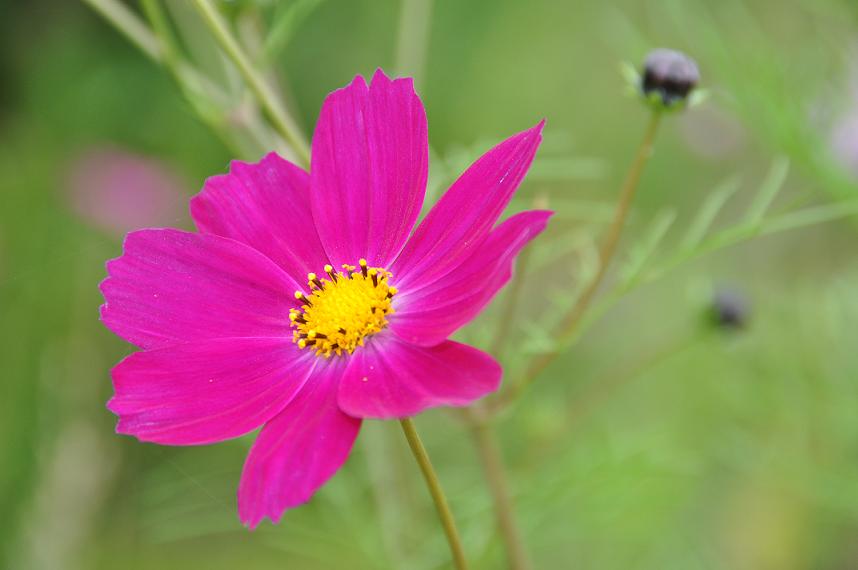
[{"x": 287, "y": 19}]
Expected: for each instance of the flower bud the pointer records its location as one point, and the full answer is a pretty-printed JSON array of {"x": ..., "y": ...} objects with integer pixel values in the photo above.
[
  {"x": 730, "y": 309},
  {"x": 668, "y": 77}
]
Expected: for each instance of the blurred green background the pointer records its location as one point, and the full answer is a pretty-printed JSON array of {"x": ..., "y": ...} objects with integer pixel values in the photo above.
[{"x": 658, "y": 441}]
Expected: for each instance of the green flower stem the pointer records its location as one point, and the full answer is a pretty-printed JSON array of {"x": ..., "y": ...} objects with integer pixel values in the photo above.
[
  {"x": 510, "y": 303},
  {"x": 386, "y": 490},
  {"x": 124, "y": 20},
  {"x": 437, "y": 493},
  {"x": 161, "y": 30},
  {"x": 129, "y": 25},
  {"x": 486, "y": 442},
  {"x": 569, "y": 327},
  {"x": 158, "y": 45},
  {"x": 484, "y": 436},
  {"x": 413, "y": 38},
  {"x": 513, "y": 292},
  {"x": 280, "y": 118},
  {"x": 169, "y": 57}
]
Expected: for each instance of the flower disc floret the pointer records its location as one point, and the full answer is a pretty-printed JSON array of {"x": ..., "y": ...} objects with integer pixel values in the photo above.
[{"x": 342, "y": 309}]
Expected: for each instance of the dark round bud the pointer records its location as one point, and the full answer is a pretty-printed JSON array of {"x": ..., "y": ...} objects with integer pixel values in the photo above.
[
  {"x": 669, "y": 76},
  {"x": 730, "y": 309}
]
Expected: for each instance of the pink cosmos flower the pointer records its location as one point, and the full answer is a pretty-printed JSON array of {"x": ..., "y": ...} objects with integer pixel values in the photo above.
[{"x": 305, "y": 303}]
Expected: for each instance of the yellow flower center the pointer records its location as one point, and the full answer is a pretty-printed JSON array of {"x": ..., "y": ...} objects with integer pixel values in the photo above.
[{"x": 342, "y": 310}]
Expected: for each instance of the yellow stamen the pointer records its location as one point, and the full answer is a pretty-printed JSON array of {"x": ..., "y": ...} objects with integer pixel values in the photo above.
[{"x": 337, "y": 315}]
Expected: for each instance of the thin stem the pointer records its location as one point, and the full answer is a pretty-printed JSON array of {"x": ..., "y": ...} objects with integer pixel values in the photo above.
[
  {"x": 158, "y": 45},
  {"x": 280, "y": 119},
  {"x": 386, "y": 491},
  {"x": 510, "y": 303},
  {"x": 569, "y": 326},
  {"x": 485, "y": 439},
  {"x": 487, "y": 445},
  {"x": 148, "y": 42},
  {"x": 124, "y": 20},
  {"x": 437, "y": 493},
  {"x": 612, "y": 238},
  {"x": 161, "y": 30},
  {"x": 414, "y": 22},
  {"x": 514, "y": 291},
  {"x": 172, "y": 61},
  {"x": 726, "y": 238}
]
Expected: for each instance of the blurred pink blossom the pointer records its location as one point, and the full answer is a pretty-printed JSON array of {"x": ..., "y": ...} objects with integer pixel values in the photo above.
[
  {"x": 118, "y": 191},
  {"x": 843, "y": 136},
  {"x": 844, "y": 141}
]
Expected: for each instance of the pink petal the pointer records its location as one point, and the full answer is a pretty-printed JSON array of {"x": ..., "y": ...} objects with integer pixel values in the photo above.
[
  {"x": 172, "y": 286},
  {"x": 299, "y": 450},
  {"x": 430, "y": 314},
  {"x": 191, "y": 394},
  {"x": 266, "y": 206},
  {"x": 390, "y": 378},
  {"x": 462, "y": 218},
  {"x": 369, "y": 169}
]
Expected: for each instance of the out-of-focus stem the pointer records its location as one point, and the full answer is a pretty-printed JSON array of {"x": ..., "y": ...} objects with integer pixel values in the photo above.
[
  {"x": 157, "y": 45},
  {"x": 280, "y": 118},
  {"x": 128, "y": 24},
  {"x": 161, "y": 29},
  {"x": 612, "y": 238},
  {"x": 411, "y": 45},
  {"x": 510, "y": 303},
  {"x": 514, "y": 292},
  {"x": 124, "y": 20},
  {"x": 485, "y": 439},
  {"x": 434, "y": 485},
  {"x": 489, "y": 450},
  {"x": 172, "y": 61},
  {"x": 385, "y": 491},
  {"x": 569, "y": 326}
]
